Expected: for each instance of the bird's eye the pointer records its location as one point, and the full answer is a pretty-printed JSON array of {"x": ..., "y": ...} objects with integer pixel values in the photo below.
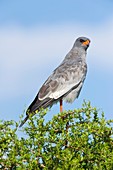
[{"x": 81, "y": 40}]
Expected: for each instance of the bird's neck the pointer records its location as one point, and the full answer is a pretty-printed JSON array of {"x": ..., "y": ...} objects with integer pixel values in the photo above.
[{"x": 81, "y": 53}]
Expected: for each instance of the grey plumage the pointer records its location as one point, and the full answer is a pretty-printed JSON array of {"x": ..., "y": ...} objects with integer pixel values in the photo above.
[{"x": 66, "y": 80}]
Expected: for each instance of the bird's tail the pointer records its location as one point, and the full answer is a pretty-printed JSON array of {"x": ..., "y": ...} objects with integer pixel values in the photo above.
[
  {"x": 23, "y": 121},
  {"x": 36, "y": 105}
]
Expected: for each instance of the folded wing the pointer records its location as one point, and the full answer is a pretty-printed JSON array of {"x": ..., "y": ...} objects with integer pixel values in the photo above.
[{"x": 65, "y": 79}]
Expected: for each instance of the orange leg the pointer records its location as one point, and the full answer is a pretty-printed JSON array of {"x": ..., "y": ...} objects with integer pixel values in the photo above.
[{"x": 61, "y": 106}]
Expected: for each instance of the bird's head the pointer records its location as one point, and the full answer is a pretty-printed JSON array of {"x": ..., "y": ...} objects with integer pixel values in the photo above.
[{"x": 82, "y": 42}]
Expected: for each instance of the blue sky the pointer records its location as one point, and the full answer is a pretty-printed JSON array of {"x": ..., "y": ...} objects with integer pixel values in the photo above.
[{"x": 36, "y": 35}]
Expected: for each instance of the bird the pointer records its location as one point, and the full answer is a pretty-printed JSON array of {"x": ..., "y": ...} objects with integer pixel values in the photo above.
[{"x": 65, "y": 82}]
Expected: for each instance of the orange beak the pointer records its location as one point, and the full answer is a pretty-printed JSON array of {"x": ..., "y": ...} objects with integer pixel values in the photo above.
[{"x": 86, "y": 42}]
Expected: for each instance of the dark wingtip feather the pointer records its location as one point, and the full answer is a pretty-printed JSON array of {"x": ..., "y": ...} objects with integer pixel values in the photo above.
[
  {"x": 36, "y": 105},
  {"x": 23, "y": 121}
]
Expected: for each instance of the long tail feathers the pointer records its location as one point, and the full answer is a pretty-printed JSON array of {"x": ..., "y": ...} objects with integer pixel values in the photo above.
[
  {"x": 36, "y": 105},
  {"x": 23, "y": 121}
]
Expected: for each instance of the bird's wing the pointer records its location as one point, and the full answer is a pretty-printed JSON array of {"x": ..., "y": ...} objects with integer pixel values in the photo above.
[{"x": 64, "y": 78}]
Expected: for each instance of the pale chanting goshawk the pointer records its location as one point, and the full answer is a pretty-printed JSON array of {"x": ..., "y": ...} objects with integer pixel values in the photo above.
[{"x": 65, "y": 82}]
